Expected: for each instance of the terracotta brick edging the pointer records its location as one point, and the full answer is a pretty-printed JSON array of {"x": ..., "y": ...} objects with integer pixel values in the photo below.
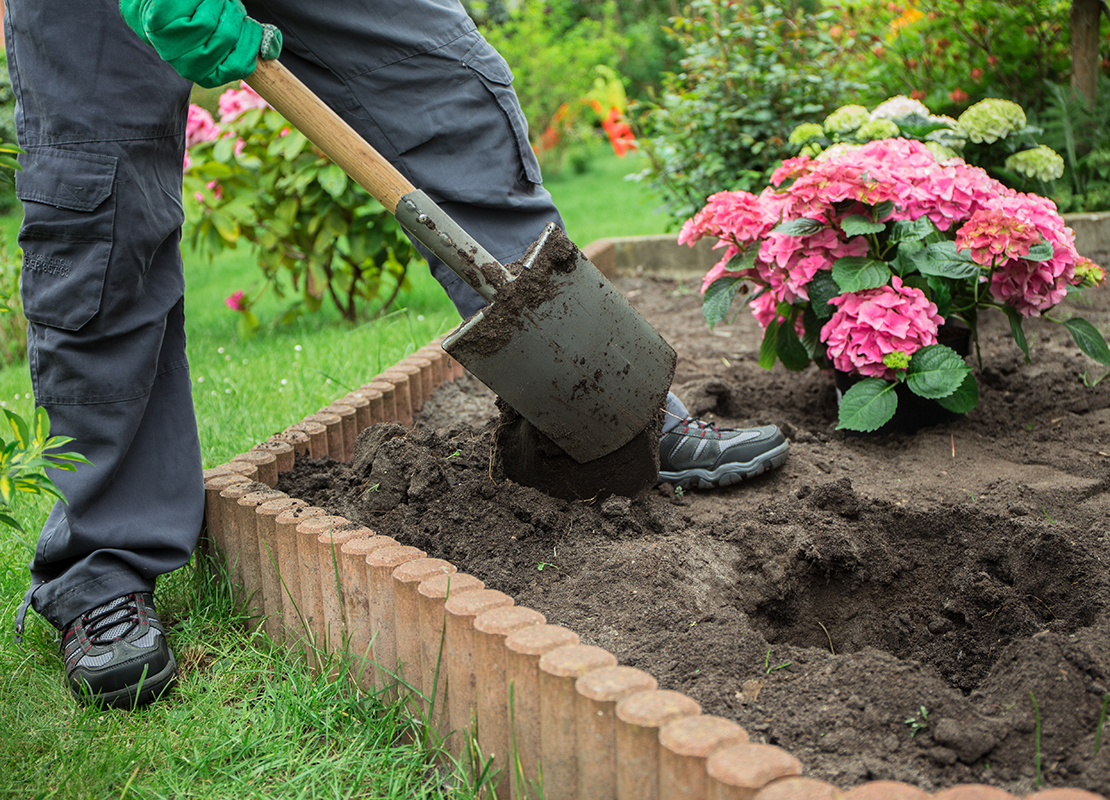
[{"x": 416, "y": 628}]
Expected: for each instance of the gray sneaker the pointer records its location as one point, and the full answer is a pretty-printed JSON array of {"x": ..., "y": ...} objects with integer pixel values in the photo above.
[
  {"x": 116, "y": 654},
  {"x": 701, "y": 455}
]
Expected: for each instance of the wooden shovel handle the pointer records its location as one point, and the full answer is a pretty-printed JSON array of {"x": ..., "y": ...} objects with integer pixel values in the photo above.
[{"x": 327, "y": 130}]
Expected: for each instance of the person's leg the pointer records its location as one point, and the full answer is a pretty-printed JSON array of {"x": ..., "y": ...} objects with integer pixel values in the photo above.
[{"x": 102, "y": 118}]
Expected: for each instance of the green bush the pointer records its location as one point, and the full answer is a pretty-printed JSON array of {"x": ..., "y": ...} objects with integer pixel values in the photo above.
[
  {"x": 952, "y": 53},
  {"x": 553, "y": 54},
  {"x": 260, "y": 181},
  {"x": 13, "y": 325},
  {"x": 1081, "y": 133},
  {"x": 750, "y": 74}
]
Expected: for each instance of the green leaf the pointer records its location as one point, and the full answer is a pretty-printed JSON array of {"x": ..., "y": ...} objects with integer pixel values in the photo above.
[
  {"x": 334, "y": 180},
  {"x": 821, "y": 290},
  {"x": 1041, "y": 251},
  {"x": 857, "y": 225},
  {"x": 40, "y": 426},
  {"x": 1088, "y": 338},
  {"x": 718, "y": 299},
  {"x": 964, "y": 399},
  {"x": 910, "y": 230},
  {"x": 768, "y": 348},
  {"x": 943, "y": 260},
  {"x": 867, "y": 406},
  {"x": 20, "y": 429},
  {"x": 936, "y": 371},
  {"x": 6, "y": 519},
  {"x": 791, "y": 352},
  {"x": 7, "y": 489},
  {"x": 882, "y": 210},
  {"x": 857, "y": 273},
  {"x": 1017, "y": 331},
  {"x": 799, "y": 227}
]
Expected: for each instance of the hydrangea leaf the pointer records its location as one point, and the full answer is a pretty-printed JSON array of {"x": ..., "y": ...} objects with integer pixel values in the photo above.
[
  {"x": 790, "y": 350},
  {"x": 964, "y": 399},
  {"x": 856, "y": 273},
  {"x": 867, "y": 406},
  {"x": 943, "y": 260},
  {"x": 1017, "y": 331},
  {"x": 768, "y": 348},
  {"x": 822, "y": 289},
  {"x": 1088, "y": 338},
  {"x": 936, "y": 371},
  {"x": 718, "y": 299},
  {"x": 799, "y": 227},
  {"x": 910, "y": 230},
  {"x": 1041, "y": 251},
  {"x": 858, "y": 225}
]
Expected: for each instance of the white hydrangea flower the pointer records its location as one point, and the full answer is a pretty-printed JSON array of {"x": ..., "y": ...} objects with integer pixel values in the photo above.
[
  {"x": 806, "y": 131},
  {"x": 846, "y": 119},
  {"x": 1040, "y": 162},
  {"x": 899, "y": 106},
  {"x": 875, "y": 129},
  {"x": 990, "y": 120}
]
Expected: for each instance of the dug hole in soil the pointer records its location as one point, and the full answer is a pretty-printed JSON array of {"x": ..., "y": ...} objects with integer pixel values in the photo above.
[{"x": 885, "y": 607}]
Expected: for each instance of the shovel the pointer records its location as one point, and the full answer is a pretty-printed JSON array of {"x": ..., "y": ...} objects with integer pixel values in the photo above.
[{"x": 557, "y": 342}]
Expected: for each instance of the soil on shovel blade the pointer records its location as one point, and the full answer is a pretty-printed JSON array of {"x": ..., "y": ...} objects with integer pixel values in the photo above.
[{"x": 928, "y": 607}]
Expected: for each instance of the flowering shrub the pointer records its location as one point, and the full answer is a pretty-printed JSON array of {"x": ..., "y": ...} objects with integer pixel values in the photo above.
[
  {"x": 861, "y": 255},
  {"x": 254, "y": 178},
  {"x": 992, "y": 134}
]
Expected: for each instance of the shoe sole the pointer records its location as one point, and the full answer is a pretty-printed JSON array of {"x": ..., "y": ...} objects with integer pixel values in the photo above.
[
  {"x": 126, "y": 698},
  {"x": 727, "y": 474}
]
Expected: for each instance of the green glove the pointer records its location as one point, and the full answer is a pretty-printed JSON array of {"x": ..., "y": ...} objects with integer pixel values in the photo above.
[{"x": 210, "y": 42}]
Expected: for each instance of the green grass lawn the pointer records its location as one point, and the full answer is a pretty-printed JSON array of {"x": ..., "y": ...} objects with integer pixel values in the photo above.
[{"x": 248, "y": 719}]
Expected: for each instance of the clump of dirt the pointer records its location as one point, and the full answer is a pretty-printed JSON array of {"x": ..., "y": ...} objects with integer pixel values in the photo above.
[{"x": 912, "y": 607}]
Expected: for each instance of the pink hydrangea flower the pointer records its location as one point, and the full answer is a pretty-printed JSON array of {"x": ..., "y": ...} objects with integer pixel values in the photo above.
[
  {"x": 868, "y": 325},
  {"x": 234, "y": 102},
  {"x": 738, "y": 218},
  {"x": 993, "y": 236}
]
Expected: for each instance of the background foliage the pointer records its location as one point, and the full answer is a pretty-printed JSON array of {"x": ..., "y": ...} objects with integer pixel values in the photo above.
[{"x": 749, "y": 74}]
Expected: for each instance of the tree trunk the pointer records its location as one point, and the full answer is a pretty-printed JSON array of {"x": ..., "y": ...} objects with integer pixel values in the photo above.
[{"x": 1084, "y": 49}]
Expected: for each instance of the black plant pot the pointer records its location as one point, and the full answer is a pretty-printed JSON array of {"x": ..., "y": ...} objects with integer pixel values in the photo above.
[{"x": 914, "y": 412}]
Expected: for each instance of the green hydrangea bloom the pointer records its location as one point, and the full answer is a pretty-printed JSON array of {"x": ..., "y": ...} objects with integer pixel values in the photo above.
[
  {"x": 990, "y": 120},
  {"x": 941, "y": 152},
  {"x": 897, "y": 360},
  {"x": 877, "y": 128},
  {"x": 1039, "y": 162},
  {"x": 846, "y": 119},
  {"x": 806, "y": 131}
]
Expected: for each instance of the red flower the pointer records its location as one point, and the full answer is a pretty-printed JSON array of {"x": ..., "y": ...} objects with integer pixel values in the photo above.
[
  {"x": 957, "y": 95},
  {"x": 976, "y": 74},
  {"x": 619, "y": 132}
]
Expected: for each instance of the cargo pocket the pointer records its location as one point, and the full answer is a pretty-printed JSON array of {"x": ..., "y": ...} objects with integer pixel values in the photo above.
[
  {"x": 69, "y": 218},
  {"x": 496, "y": 76}
]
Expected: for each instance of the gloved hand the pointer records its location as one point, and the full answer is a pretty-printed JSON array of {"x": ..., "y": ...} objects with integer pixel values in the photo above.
[{"x": 210, "y": 42}]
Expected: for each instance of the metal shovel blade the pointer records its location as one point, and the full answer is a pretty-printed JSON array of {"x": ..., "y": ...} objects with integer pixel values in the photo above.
[{"x": 568, "y": 352}]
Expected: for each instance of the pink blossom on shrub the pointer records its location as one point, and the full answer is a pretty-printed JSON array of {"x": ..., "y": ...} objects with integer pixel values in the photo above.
[
  {"x": 870, "y": 324},
  {"x": 736, "y": 217},
  {"x": 1035, "y": 286},
  {"x": 200, "y": 126},
  {"x": 236, "y": 301},
  {"x": 234, "y": 102},
  {"x": 791, "y": 262},
  {"x": 993, "y": 236}
]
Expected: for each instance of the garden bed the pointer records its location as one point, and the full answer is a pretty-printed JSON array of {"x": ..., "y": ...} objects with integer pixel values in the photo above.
[{"x": 930, "y": 608}]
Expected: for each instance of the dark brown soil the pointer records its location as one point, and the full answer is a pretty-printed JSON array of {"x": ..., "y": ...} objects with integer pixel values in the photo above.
[{"x": 884, "y": 607}]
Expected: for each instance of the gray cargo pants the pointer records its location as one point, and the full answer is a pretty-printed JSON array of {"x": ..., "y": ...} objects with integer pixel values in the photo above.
[{"x": 102, "y": 119}]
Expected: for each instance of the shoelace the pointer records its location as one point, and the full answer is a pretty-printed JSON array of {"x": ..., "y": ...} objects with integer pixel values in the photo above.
[
  {"x": 701, "y": 425},
  {"x": 106, "y": 624}
]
